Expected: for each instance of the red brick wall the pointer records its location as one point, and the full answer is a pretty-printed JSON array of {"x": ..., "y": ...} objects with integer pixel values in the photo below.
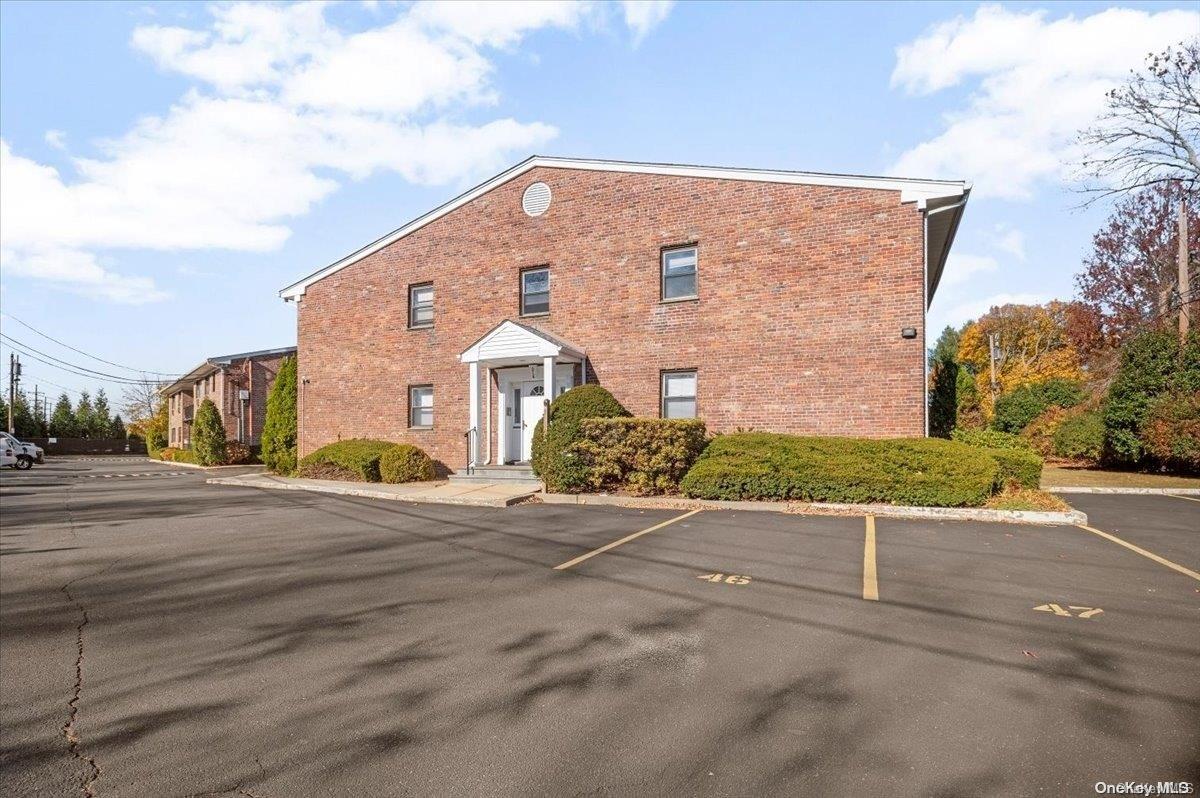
[{"x": 803, "y": 293}]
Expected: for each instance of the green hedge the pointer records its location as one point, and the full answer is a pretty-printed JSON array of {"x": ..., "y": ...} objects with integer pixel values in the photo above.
[
  {"x": 911, "y": 471},
  {"x": 990, "y": 439},
  {"x": 170, "y": 454},
  {"x": 1172, "y": 431},
  {"x": 357, "y": 456},
  {"x": 405, "y": 463},
  {"x": 1021, "y": 405},
  {"x": 1021, "y": 466},
  {"x": 553, "y": 459},
  {"x": 1080, "y": 437},
  {"x": 641, "y": 455}
]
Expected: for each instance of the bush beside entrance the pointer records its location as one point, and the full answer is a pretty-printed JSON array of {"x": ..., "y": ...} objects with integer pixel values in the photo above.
[
  {"x": 553, "y": 459},
  {"x": 641, "y": 455}
]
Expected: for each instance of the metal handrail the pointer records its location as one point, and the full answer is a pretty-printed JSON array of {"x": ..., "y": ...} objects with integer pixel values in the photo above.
[{"x": 470, "y": 435}]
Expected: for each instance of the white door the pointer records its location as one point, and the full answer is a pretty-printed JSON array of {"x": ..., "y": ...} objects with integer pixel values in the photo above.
[{"x": 532, "y": 394}]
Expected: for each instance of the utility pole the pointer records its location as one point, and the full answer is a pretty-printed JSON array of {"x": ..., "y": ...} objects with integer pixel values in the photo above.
[
  {"x": 1182, "y": 262},
  {"x": 993, "y": 348},
  {"x": 14, "y": 377},
  {"x": 37, "y": 414}
]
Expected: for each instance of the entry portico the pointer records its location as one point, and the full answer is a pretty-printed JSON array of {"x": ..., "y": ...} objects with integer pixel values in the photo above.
[{"x": 530, "y": 368}]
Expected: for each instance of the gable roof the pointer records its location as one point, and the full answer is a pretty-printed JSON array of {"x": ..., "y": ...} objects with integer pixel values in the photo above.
[
  {"x": 510, "y": 340},
  {"x": 209, "y": 365},
  {"x": 911, "y": 190}
]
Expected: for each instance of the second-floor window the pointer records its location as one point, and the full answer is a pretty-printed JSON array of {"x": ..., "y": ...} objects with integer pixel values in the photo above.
[
  {"x": 679, "y": 273},
  {"x": 535, "y": 291},
  {"x": 420, "y": 305}
]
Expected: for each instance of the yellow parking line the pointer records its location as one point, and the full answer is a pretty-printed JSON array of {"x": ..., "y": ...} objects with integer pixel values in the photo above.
[
  {"x": 626, "y": 539},
  {"x": 870, "y": 580},
  {"x": 1148, "y": 554},
  {"x": 1185, "y": 498}
]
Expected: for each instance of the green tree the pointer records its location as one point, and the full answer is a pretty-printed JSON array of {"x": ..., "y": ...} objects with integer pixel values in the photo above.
[
  {"x": 154, "y": 429},
  {"x": 1153, "y": 364},
  {"x": 62, "y": 420},
  {"x": 100, "y": 425},
  {"x": 943, "y": 384},
  {"x": 25, "y": 425},
  {"x": 553, "y": 458},
  {"x": 83, "y": 416},
  {"x": 208, "y": 435},
  {"x": 279, "y": 427},
  {"x": 117, "y": 428}
]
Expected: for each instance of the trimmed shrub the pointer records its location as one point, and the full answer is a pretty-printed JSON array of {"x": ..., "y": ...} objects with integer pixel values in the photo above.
[
  {"x": 279, "y": 427},
  {"x": 1020, "y": 466},
  {"x": 171, "y": 454},
  {"x": 641, "y": 455},
  {"x": 1040, "y": 431},
  {"x": 208, "y": 435},
  {"x": 1015, "y": 409},
  {"x": 910, "y": 471},
  {"x": 237, "y": 453},
  {"x": 1080, "y": 437},
  {"x": 1172, "y": 431},
  {"x": 357, "y": 459},
  {"x": 405, "y": 463},
  {"x": 1151, "y": 365},
  {"x": 990, "y": 439},
  {"x": 553, "y": 459}
]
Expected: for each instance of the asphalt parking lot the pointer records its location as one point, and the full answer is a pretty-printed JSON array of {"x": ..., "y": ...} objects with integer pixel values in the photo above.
[{"x": 161, "y": 636}]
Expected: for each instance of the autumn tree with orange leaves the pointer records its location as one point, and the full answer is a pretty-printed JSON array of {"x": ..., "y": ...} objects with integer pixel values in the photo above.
[{"x": 1034, "y": 347}]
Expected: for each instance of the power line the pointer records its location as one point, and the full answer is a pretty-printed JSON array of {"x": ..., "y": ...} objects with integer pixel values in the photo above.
[
  {"x": 95, "y": 375},
  {"x": 86, "y": 354}
]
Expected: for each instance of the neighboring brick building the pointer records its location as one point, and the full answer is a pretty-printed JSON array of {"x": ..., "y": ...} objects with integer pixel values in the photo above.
[
  {"x": 769, "y": 300},
  {"x": 237, "y": 384}
]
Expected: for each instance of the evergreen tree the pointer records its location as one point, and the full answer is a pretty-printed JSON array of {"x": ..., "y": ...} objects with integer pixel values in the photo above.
[
  {"x": 100, "y": 425},
  {"x": 62, "y": 420},
  {"x": 279, "y": 427},
  {"x": 117, "y": 428},
  {"x": 943, "y": 384},
  {"x": 83, "y": 416},
  {"x": 3, "y": 414},
  {"x": 25, "y": 425},
  {"x": 208, "y": 435}
]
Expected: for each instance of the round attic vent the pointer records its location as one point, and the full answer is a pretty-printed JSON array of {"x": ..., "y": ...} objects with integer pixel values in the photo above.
[{"x": 536, "y": 199}]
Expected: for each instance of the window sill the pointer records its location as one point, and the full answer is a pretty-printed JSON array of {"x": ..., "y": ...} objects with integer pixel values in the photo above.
[
  {"x": 533, "y": 315},
  {"x": 420, "y": 429},
  {"x": 675, "y": 299},
  {"x": 415, "y": 327}
]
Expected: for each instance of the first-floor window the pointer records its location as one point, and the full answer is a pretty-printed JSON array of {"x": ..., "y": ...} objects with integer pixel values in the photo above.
[
  {"x": 679, "y": 394},
  {"x": 420, "y": 406}
]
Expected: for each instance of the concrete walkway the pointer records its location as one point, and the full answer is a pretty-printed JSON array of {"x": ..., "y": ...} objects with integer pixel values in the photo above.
[{"x": 476, "y": 494}]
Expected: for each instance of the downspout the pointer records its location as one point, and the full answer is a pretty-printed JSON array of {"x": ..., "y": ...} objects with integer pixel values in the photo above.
[{"x": 926, "y": 213}]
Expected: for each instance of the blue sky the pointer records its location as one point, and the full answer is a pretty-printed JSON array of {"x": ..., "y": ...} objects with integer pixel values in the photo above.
[{"x": 168, "y": 167}]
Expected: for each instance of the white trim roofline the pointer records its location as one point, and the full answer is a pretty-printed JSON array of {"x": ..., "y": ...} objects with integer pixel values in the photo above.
[{"x": 911, "y": 190}]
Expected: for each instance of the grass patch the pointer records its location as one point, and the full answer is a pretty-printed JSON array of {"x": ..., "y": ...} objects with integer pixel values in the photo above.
[
  {"x": 1058, "y": 476},
  {"x": 1016, "y": 498}
]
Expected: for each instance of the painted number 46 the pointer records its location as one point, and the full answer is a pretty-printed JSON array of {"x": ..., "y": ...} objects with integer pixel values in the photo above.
[
  {"x": 1080, "y": 612},
  {"x": 731, "y": 579}
]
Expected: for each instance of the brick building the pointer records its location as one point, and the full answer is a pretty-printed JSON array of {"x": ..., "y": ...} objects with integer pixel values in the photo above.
[
  {"x": 771, "y": 300},
  {"x": 237, "y": 384}
]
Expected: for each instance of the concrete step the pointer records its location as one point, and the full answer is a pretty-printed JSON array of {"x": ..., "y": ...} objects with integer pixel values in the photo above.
[
  {"x": 478, "y": 479},
  {"x": 501, "y": 472}
]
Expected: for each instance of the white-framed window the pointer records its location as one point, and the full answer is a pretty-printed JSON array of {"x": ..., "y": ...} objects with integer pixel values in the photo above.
[
  {"x": 420, "y": 406},
  {"x": 420, "y": 305},
  {"x": 679, "y": 394},
  {"x": 679, "y": 272},
  {"x": 535, "y": 291}
]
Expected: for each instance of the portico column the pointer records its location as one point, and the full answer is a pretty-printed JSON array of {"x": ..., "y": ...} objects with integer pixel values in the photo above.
[
  {"x": 473, "y": 454},
  {"x": 548, "y": 382}
]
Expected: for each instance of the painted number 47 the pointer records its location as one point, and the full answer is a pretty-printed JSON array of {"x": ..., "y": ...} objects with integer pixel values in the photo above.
[
  {"x": 731, "y": 579},
  {"x": 1080, "y": 612}
]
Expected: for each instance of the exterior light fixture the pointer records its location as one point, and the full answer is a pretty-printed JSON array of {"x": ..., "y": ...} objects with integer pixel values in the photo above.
[{"x": 908, "y": 332}]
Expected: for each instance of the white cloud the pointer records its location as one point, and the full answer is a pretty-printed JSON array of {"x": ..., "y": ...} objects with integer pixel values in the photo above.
[
  {"x": 1009, "y": 240},
  {"x": 962, "y": 312},
  {"x": 1034, "y": 82},
  {"x": 642, "y": 16},
  {"x": 961, "y": 267},
  {"x": 496, "y": 23},
  {"x": 80, "y": 273},
  {"x": 56, "y": 139}
]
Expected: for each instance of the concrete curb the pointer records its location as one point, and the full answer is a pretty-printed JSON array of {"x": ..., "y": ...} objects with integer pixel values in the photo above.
[
  {"x": 260, "y": 468},
  {"x": 362, "y": 490},
  {"x": 1129, "y": 491},
  {"x": 805, "y": 508}
]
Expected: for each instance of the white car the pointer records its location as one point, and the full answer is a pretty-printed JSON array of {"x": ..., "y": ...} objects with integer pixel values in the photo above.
[
  {"x": 8, "y": 457},
  {"x": 26, "y": 453}
]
